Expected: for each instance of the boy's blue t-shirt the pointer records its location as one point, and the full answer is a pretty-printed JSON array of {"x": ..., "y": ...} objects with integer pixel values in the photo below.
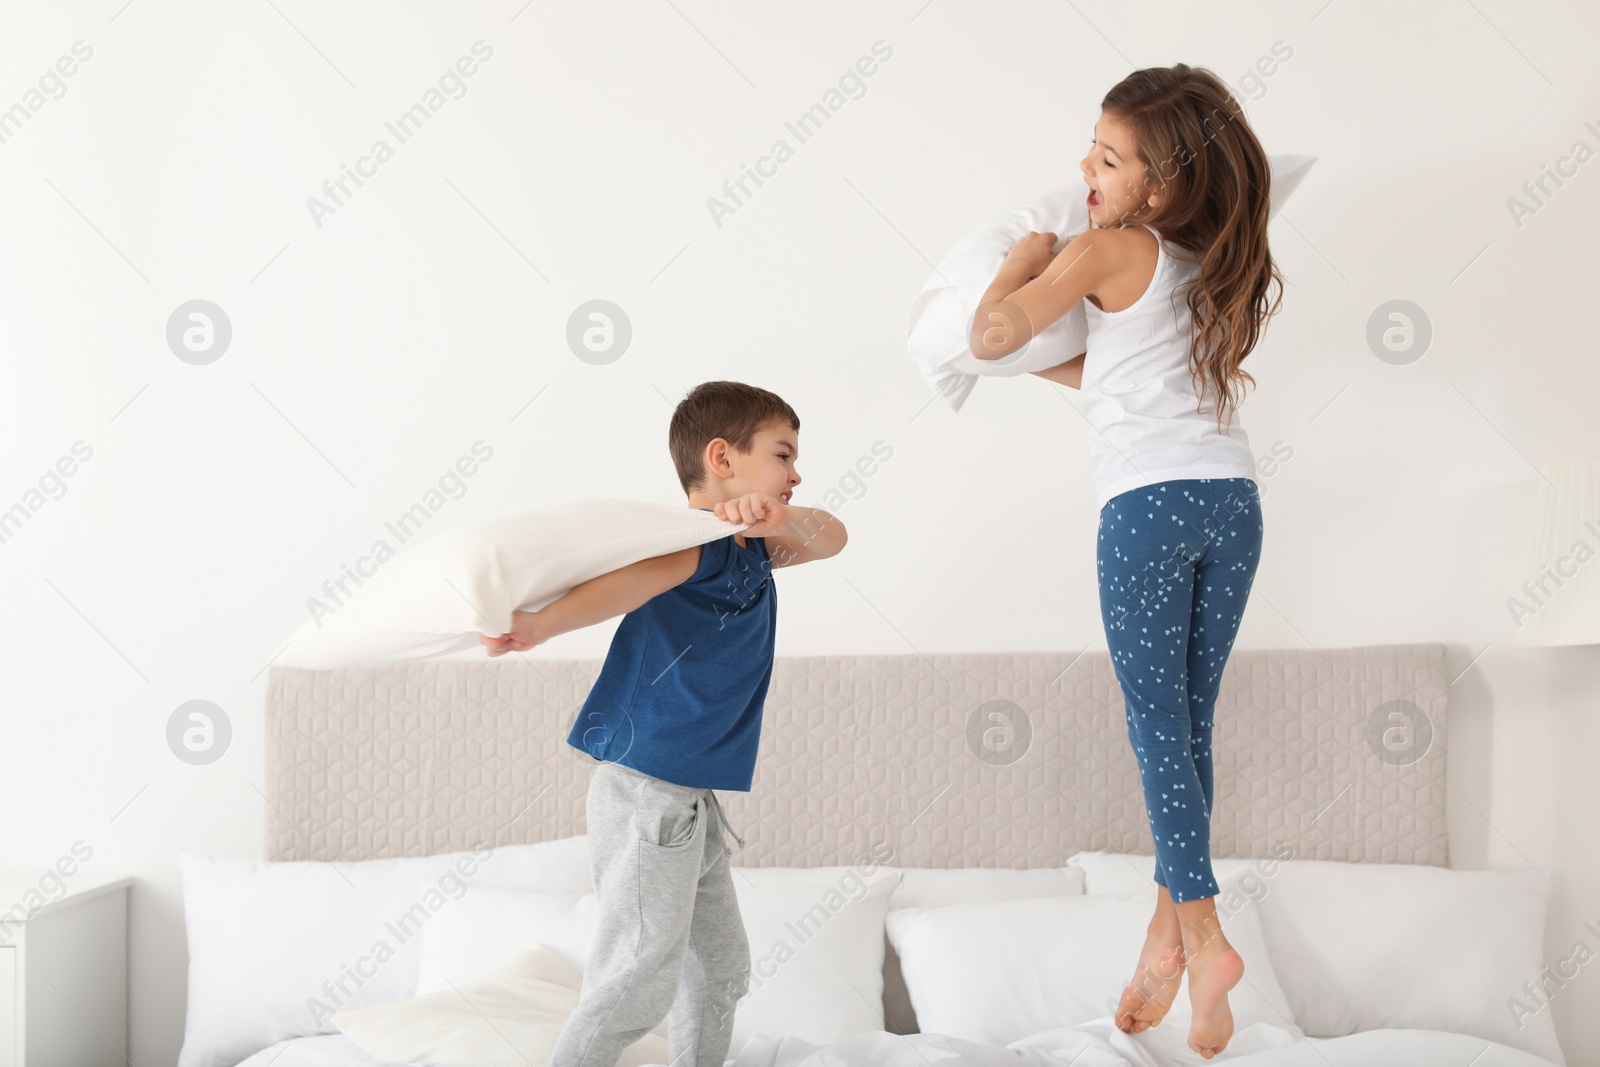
[{"x": 683, "y": 685}]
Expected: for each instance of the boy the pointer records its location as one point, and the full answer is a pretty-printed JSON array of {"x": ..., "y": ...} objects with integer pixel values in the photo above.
[{"x": 675, "y": 714}]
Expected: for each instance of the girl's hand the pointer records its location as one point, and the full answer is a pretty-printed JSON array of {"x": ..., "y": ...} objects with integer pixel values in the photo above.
[
  {"x": 1031, "y": 254},
  {"x": 764, "y": 514}
]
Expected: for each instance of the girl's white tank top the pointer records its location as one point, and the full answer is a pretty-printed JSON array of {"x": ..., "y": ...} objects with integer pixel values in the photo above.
[{"x": 1145, "y": 422}]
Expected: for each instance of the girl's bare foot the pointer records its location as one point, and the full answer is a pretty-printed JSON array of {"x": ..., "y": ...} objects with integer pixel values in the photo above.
[
  {"x": 1155, "y": 981},
  {"x": 1214, "y": 968}
]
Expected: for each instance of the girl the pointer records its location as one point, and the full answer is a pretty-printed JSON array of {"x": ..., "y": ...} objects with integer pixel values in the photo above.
[{"x": 1176, "y": 271}]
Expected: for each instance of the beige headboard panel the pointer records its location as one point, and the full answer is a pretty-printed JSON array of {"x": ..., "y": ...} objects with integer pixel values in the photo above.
[{"x": 983, "y": 759}]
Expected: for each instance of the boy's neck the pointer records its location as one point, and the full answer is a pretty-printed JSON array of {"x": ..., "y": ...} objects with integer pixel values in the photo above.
[
  {"x": 709, "y": 501},
  {"x": 701, "y": 499}
]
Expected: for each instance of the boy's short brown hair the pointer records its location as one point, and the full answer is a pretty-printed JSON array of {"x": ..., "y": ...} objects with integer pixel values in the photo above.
[{"x": 732, "y": 411}]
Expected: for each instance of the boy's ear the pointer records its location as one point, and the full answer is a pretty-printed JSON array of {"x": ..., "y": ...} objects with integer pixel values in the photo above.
[{"x": 715, "y": 459}]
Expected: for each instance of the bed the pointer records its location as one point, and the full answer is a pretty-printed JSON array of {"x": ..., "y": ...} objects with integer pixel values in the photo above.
[{"x": 990, "y": 785}]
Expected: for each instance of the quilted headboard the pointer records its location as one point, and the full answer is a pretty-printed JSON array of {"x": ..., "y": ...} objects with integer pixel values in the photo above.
[{"x": 982, "y": 759}]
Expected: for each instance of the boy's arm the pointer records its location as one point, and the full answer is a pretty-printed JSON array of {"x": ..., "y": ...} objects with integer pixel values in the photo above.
[
  {"x": 808, "y": 534},
  {"x": 607, "y": 596}
]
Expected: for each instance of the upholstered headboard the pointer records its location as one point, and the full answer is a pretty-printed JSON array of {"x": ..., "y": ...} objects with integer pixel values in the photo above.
[{"x": 983, "y": 759}]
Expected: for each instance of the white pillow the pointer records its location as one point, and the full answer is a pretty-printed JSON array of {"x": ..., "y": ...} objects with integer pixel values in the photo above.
[
  {"x": 508, "y": 1018},
  {"x": 1367, "y": 946},
  {"x": 816, "y": 951},
  {"x": 1129, "y": 872},
  {"x": 441, "y": 593},
  {"x": 816, "y": 945},
  {"x": 997, "y": 973},
  {"x": 941, "y": 315},
  {"x": 463, "y": 944},
  {"x": 931, "y": 887},
  {"x": 276, "y": 948}
]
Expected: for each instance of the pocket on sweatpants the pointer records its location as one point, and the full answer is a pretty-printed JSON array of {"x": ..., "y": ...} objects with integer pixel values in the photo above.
[{"x": 668, "y": 823}]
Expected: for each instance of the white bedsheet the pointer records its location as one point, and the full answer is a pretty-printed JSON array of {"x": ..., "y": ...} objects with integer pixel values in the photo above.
[
  {"x": 325, "y": 1050},
  {"x": 1092, "y": 1044},
  {"x": 1101, "y": 1044}
]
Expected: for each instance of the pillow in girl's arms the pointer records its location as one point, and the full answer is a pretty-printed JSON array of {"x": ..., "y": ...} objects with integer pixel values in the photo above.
[
  {"x": 941, "y": 315},
  {"x": 439, "y": 594}
]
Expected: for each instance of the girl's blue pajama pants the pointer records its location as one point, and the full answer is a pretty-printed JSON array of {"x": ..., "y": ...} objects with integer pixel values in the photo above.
[{"x": 1176, "y": 560}]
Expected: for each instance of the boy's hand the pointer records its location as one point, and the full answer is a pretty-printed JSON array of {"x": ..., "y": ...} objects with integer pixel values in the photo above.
[
  {"x": 525, "y": 632},
  {"x": 764, "y": 514}
]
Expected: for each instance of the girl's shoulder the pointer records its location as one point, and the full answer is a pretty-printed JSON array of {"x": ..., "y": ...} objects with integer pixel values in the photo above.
[
  {"x": 1128, "y": 257},
  {"x": 1131, "y": 236},
  {"x": 1124, "y": 248}
]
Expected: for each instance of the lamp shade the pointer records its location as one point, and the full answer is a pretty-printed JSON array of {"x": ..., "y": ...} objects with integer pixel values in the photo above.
[{"x": 1559, "y": 604}]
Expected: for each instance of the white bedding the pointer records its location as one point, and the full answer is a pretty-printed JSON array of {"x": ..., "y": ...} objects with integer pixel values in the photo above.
[
  {"x": 325, "y": 1050},
  {"x": 1092, "y": 1044},
  {"x": 1079, "y": 1038},
  {"x": 1101, "y": 1044}
]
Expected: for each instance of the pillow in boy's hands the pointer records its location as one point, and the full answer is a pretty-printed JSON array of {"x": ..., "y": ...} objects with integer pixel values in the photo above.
[
  {"x": 440, "y": 594},
  {"x": 941, "y": 315}
]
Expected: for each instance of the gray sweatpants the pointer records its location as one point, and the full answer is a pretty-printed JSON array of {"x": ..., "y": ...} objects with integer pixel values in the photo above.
[{"x": 670, "y": 937}]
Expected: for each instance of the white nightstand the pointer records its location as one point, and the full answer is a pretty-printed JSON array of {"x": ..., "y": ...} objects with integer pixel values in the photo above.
[{"x": 64, "y": 972}]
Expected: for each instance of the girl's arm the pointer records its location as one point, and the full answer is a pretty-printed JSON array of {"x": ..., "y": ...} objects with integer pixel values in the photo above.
[
  {"x": 1014, "y": 308},
  {"x": 1068, "y": 373}
]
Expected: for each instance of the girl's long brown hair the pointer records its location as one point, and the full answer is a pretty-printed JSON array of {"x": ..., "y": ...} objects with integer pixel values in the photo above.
[{"x": 1199, "y": 151}]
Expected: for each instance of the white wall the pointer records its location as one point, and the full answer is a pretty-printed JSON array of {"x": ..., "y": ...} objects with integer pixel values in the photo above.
[{"x": 429, "y": 311}]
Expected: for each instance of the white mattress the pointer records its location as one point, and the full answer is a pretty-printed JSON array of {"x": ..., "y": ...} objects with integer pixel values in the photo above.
[{"x": 1092, "y": 1044}]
